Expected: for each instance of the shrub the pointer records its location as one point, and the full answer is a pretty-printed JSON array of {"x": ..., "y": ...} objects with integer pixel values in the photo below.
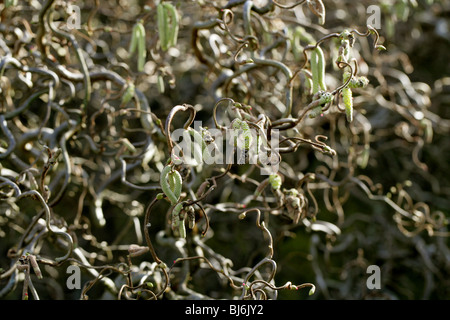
[{"x": 319, "y": 147}]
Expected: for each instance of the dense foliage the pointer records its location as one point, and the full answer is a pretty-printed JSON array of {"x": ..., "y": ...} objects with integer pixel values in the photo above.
[{"x": 92, "y": 93}]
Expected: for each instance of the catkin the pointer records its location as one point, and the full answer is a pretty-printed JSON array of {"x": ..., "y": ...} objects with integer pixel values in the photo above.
[
  {"x": 318, "y": 70},
  {"x": 348, "y": 103}
]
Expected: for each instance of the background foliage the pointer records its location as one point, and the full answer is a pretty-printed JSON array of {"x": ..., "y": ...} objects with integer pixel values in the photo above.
[{"x": 383, "y": 199}]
